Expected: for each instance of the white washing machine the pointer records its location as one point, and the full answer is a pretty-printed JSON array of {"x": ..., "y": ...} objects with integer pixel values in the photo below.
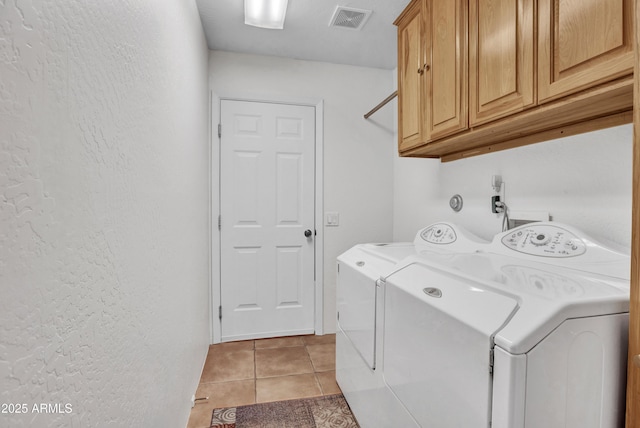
[
  {"x": 529, "y": 331},
  {"x": 360, "y": 305}
]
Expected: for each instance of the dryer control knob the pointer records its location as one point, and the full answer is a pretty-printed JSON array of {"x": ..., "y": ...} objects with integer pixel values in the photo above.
[{"x": 540, "y": 239}]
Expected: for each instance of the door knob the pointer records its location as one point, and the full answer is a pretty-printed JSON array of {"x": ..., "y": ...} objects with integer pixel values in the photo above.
[{"x": 307, "y": 233}]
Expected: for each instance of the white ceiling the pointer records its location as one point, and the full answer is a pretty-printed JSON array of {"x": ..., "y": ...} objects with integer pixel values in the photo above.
[{"x": 306, "y": 33}]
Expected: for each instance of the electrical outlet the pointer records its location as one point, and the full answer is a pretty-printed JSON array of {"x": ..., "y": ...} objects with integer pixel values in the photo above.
[{"x": 494, "y": 199}]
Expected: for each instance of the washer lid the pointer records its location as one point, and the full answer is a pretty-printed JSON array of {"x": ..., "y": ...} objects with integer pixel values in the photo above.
[{"x": 561, "y": 245}]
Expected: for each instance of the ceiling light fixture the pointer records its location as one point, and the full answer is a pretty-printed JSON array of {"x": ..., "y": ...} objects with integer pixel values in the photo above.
[{"x": 265, "y": 13}]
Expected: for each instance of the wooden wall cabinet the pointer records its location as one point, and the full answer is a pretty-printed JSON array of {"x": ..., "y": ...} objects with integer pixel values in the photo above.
[
  {"x": 432, "y": 71},
  {"x": 582, "y": 44},
  {"x": 411, "y": 60},
  {"x": 536, "y": 70},
  {"x": 501, "y": 58},
  {"x": 446, "y": 67}
]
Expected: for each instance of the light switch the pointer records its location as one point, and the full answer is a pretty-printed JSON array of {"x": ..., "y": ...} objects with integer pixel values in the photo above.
[{"x": 332, "y": 219}]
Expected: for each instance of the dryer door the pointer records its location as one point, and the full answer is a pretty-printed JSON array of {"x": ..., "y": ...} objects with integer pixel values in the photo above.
[
  {"x": 437, "y": 344},
  {"x": 358, "y": 271}
]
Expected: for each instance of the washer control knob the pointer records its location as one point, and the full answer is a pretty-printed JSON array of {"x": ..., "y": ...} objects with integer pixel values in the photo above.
[{"x": 571, "y": 245}]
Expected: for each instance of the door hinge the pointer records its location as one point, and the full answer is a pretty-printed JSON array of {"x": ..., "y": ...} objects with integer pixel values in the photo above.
[
  {"x": 219, "y": 130},
  {"x": 220, "y": 312},
  {"x": 219, "y": 222},
  {"x": 491, "y": 361}
]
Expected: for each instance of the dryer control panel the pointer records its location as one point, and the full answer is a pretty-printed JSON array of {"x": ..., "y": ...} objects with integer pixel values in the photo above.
[
  {"x": 544, "y": 240},
  {"x": 444, "y": 237},
  {"x": 439, "y": 233}
]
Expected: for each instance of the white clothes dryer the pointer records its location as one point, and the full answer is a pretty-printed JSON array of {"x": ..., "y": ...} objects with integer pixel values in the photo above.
[{"x": 529, "y": 331}]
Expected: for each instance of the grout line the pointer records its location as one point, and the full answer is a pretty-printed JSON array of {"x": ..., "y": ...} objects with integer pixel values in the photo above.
[
  {"x": 313, "y": 366},
  {"x": 319, "y": 384},
  {"x": 255, "y": 374}
]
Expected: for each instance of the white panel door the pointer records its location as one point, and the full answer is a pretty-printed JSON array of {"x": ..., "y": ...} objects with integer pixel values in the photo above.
[{"x": 266, "y": 205}]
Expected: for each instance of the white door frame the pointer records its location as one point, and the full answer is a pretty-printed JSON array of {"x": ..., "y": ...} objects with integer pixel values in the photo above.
[{"x": 318, "y": 104}]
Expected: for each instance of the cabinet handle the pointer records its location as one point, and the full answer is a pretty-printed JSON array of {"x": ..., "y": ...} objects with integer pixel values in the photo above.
[{"x": 424, "y": 68}]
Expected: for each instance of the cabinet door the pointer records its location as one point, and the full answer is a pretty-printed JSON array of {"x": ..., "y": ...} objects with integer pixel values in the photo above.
[
  {"x": 501, "y": 58},
  {"x": 410, "y": 75},
  {"x": 582, "y": 44},
  {"x": 446, "y": 69}
]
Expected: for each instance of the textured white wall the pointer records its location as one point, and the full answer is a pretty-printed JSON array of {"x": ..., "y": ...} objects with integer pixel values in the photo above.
[
  {"x": 583, "y": 180},
  {"x": 358, "y": 153},
  {"x": 103, "y": 210}
]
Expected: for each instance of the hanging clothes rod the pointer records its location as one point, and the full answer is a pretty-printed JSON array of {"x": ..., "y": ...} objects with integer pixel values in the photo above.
[{"x": 379, "y": 106}]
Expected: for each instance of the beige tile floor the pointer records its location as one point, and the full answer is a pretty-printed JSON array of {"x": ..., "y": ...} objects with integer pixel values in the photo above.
[{"x": 259, "y": 371}]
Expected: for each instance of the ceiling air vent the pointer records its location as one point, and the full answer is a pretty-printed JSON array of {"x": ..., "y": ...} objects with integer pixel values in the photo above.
[{"x": 348, "y": 17}]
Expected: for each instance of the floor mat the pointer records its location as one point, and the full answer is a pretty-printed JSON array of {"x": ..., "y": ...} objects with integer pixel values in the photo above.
[{"x": 330, "y": 411}]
